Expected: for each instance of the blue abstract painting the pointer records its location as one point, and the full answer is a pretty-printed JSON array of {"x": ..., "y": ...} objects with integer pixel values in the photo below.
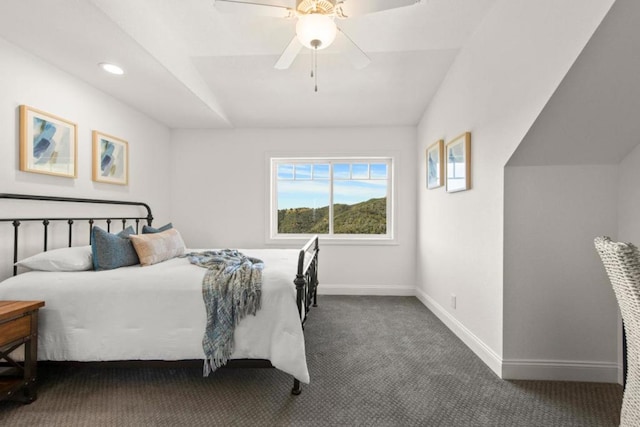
[
  {"x": 47, "y": 143},
  {"x": 434, "y": 165},
  {"x": 110, "y": 159}
]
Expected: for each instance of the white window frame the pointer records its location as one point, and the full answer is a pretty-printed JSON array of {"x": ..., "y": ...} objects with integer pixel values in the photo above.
[{"x": 388, "y": 237}]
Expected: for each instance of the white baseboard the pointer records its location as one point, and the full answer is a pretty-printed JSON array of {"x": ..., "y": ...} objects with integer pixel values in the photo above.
[
  {"x": 486, "y": 354},
  {"x": 560, "y": 370},
  {"x": 365, "y": 290},
  {"x": 521, "y": 369}
]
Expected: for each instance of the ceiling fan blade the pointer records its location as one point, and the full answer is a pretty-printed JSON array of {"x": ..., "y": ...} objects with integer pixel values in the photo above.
[
  {"x": 362, "y": 7},
  {"x": 253, "y": 8},
  {"x": 358, "y": 58},
  {"x": 289, "y": 54}
]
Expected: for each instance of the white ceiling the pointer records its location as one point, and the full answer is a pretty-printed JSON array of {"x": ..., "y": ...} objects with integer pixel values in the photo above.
[{"x": 190, "y": 66}]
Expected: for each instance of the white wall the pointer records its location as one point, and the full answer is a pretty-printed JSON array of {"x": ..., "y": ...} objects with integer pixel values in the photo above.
[
  {"x": 592, "y": 118},
  {"x": 568, "y": 167},
  {"x": 628, "y": 214},
  {"x": 560, "y": 313},
  {"x": 629, "y": 200},
  {"x": 221, "y": 184},
  {"x": 495, "y": 89},
  {"x": 24, "y": 79}
]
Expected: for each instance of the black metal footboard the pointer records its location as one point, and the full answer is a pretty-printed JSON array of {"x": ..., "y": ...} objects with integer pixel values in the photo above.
[{"x": 306, "y": 282}]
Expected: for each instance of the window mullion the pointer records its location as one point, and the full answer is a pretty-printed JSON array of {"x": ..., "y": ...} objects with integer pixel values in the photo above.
[
  {"x": 330, "y": 198},
  {"x": 390, "y": 215},
  {"x": 274, "y": 199}
]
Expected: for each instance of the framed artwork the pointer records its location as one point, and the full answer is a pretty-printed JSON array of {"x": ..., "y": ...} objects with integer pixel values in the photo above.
[
  {"x": 458, "y": 158},
  {"x": 110, "y": 159},
  {"x": 435, "y": 171},
  {"x": 48, "y": 144}
]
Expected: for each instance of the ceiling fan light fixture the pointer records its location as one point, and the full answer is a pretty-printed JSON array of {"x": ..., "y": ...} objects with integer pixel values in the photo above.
[
  {"x": 325, "y": 7},
  {"x": 316, "y": 31}
]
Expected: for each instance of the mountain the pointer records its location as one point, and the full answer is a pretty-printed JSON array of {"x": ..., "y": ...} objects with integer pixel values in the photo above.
[{"x": 368, "y": 217}]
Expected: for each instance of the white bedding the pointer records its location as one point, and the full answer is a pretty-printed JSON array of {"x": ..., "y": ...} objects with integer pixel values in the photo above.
[{"x": 157, "y": 313}]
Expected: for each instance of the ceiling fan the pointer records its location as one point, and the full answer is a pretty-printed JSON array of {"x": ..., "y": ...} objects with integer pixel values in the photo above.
[{"x": 315, "y": 28}]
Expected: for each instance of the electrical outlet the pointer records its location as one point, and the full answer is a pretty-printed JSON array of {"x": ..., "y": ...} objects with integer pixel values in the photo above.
[{"x": 453, "y": 301}]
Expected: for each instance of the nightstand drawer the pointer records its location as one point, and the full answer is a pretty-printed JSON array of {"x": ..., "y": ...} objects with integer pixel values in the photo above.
[{"x": 15, "y": 329}]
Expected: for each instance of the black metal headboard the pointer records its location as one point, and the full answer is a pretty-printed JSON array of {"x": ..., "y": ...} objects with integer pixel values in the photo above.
[{"x": 69, "y": 220}]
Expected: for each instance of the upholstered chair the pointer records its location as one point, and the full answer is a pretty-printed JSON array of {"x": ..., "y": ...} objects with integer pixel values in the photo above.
[{"x": 622, "y": 263}]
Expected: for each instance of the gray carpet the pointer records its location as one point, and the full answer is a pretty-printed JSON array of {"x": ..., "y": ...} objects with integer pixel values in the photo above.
[{"x": 374, "y": 361}]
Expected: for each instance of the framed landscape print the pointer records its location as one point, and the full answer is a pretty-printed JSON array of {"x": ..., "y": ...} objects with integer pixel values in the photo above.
[
  {"x": 48, "y": 144},
  {"x": 435, "y": 171},
  {"x": 110, "y": 159},
  {"x": 458, "y": 159}
]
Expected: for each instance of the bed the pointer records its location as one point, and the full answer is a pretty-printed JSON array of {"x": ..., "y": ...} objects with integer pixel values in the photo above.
[{"x": 156, "y": 312}]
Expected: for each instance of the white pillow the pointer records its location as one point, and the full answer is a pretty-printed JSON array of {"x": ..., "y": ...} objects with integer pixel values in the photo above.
[{"x": 64, "y": 259}]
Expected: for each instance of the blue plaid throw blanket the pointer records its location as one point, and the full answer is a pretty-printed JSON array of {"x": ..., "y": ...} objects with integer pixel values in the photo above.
[{"x": 231, "y": 289}]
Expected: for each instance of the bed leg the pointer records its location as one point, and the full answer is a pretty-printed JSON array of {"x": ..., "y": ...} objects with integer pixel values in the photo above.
[
  {"x": 315, "y": 296},
  {"x": 296, "y": 390}
]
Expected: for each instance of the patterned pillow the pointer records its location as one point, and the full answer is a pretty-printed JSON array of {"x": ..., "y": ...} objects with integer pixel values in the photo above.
[
  {"x": 146, "y": 229},
  {"x": 157, "y": 247},
  {"x": 112, "y": 250}
]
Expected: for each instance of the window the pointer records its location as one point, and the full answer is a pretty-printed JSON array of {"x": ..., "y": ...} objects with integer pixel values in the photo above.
[{"x": 338, "y": 198}]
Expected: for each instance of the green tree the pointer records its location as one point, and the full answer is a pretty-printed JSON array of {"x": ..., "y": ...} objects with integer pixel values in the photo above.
[{"x": 368, "y": 217}]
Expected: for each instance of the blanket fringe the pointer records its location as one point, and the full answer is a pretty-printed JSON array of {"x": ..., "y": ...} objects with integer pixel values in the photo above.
[
  {"x": 250, "y": 304},
  {"x": 217, "y": 360}
]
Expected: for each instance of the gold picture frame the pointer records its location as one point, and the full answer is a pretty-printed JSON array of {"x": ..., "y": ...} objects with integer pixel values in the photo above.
[
  {"x": 458, "y": 160},
  {"x": 110, "y": 159},
  {"x": 48, "y": 143},
  {"x": 435, "y": 169}
]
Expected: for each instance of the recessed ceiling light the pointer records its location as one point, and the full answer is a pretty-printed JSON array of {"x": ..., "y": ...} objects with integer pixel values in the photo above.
[{"x": 111, "y": 68}]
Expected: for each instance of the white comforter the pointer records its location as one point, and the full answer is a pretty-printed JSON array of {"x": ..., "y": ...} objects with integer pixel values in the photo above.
[{"x": 157, "y": 313}]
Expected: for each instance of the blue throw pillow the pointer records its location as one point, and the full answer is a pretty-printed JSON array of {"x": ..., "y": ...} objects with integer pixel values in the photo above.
[
  {"x": 150, "y": 230},
  {"x": 112, "y": 250}
]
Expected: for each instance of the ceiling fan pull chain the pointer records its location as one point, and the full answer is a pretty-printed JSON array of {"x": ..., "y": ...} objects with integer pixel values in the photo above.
[{"x": 315, "y": 67}]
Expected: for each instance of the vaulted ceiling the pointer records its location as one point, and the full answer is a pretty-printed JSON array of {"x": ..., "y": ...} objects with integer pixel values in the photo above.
[{"x": 188, "y": 65}]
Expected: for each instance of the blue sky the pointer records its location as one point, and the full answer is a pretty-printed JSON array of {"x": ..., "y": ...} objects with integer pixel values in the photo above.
[{"x": 310, "y": 188}]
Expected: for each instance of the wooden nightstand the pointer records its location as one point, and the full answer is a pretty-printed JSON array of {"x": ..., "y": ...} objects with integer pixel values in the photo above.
[{"x": 19, "y": 326}]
